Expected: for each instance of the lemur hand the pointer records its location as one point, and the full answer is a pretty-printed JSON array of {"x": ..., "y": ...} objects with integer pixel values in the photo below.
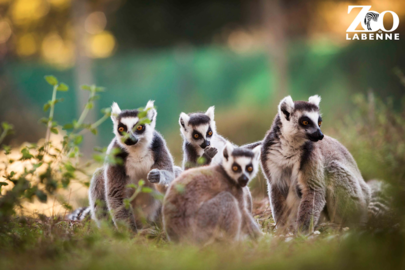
[
  {"x": 210, "y": 151},
  {"x": 154, "y": 176}
]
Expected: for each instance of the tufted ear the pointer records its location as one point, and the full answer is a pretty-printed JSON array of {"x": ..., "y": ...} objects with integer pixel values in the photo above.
[
  {"x": 210, "y": 112},
  {"x": 257, "y": 150},
  {"x": 115, "y": 111},
  {"x": 315, "y": 100},
  {"x": 228, "y": 150},
  {"x": 152, "y": 113},
  {"x": 286, "y": 107},
  {"x": 183, "y": 120}
]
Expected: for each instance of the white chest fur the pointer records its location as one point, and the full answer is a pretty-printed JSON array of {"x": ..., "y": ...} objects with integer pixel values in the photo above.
[
  {"x": 219, "y": 145},
  {"x": 138, "y": 164}
]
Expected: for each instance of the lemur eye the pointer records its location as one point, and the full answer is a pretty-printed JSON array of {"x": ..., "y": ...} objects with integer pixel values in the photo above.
[
  {"x": 196, "y": 136},
  {"x": 319, "y": 123},
  {"x": 305, "y": 123},
  {"x": 121, "y": 129},
  {"x": 235, "y": 168},
  {"x": 250, "y": 169},
  {"x": 210, "y": 133},
  {"x": 139, "y": 128}
]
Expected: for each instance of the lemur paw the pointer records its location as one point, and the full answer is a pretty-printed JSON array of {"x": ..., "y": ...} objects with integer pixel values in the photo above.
[
  {"x": 154, "y": 176},
  {"x": 210, "y": 151}
]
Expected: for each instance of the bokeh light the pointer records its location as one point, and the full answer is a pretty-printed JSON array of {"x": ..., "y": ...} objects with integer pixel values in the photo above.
[
  {"x": 26, "y": 45},
  {"x": 101, "y": 45},
  {"x": 25, "y": 12}
]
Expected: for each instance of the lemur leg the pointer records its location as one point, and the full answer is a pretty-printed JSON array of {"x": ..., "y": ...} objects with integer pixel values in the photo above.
[
  {"x": 98, "y": 205},
  {"x": 217, "y": 219},
  {"x": 278, "y": 205},
  {"x": 116, "y": 192},
  {"x": 312, "y": 203},
  {"x": 250, "y": 226}
]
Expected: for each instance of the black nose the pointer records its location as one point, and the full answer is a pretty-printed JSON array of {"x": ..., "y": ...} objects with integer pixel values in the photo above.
[
  {"x": 205, "y": 144},
  {"x": 131, "y": 141},
  {"x": 243, "y": 180},
  {"x": 316, "y": 136}
]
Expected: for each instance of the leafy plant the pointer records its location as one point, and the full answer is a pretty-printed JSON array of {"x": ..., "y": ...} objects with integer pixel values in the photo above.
[{"x": 49, "y": 164}]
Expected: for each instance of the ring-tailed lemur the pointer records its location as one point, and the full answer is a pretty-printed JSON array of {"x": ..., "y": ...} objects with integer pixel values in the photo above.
[
  {"x": 211, "y": 203},
  {"x": 201, "y": 139},
  {"x": 309, "y": 173},
  {"x": 145, "y": 155}
]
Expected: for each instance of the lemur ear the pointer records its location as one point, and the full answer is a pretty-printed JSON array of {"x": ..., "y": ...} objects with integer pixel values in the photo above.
[
  {"x": 183, "y": 120},
  {"x": 257, "y": 150},
  {"x": 151, "y": 110},
  {"x": 115, "y": 111},
  {"x": 210, "y": 112},
  {"x": 315, "y": 100},
  {"x": 227, "y": 150},
  {"x": 286, "y": 107}
]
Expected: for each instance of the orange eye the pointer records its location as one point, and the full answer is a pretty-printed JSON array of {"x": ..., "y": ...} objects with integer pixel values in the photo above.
[
  {"x": 121, "y": 129},
  {"x": 319, "y": 123},
  {"x": 235, "y": 168},
  {"x": 196, "y": 136},
  {"x": 210, "y": 133},
  {"x": 250, "y": 169},
  {"x": 139, "y": 128},
  {"x": 305, "y": 123}
]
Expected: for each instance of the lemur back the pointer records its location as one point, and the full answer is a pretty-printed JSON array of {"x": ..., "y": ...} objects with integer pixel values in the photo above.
[{"x": 213, "y": 204}]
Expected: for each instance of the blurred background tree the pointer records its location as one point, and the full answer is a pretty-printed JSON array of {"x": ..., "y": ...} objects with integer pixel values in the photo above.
[{"x": 241, "y": 56}]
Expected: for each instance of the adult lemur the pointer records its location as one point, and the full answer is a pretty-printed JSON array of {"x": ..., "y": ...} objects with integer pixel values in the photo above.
[
  {"x": 212, "y": 205},
  {"x": 309, "y": 173},
  {"x": 201, "y": 139},
  {"x": 145, "y": 156}
]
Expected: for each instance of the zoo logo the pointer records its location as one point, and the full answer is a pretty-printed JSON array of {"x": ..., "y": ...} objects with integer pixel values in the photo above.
[{"x": 371, "y": 21}]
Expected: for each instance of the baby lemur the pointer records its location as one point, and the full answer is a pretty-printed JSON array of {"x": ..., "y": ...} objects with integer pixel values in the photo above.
[
  {"x": 144, "y": 155},
  {"x": 310, "y": 174},
  {"x": 209, "y": 203}
]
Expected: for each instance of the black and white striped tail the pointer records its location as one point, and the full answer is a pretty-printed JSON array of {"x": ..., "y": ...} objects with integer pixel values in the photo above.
[
  {"x": 80, "y": 214},
  {"x": 380, "y": 203}
]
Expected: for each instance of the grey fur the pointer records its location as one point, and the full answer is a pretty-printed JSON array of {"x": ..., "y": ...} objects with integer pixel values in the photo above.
[
  {"x": 208, "y": 203},
  {"x": 148, "y": 159},
  {"x": 307, "y": 179}
]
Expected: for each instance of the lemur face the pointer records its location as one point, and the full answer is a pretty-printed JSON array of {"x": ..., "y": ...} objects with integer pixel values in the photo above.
[
  {"x": 198, "y": 128},
  {"x": 241, "y": 164},
  {"x": 301, "y": 120},
  {"x": 127, "y": 129}
]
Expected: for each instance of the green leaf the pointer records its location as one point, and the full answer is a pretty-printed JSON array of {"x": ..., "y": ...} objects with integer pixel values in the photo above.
[
  {"x": 44, "y": 120},
  {"x": 180, "y": 188},
  {"x": 86, "y": 87},
  {"x": 99, "y": 89},
  {"x": 41, "y": 196},
  {"x": 94, "y": 131},
  {"x": 131, "y": 186},
  {"x": 51, "y": 80},
  {"x": 46, "y": 107},
  {"x": 68, "y": 126},
  {"x": 3, "y": 184},
  {"x": 78, "y": 140},
  {"x": 89, "y": 106},
  {"x": 106, "y": 111},
  {"x": 141, "y": 183},
  {"x": 142, "y": 114},
  {"x": 147, "y": 190},
  {"x": 54, "y": 130},
  {"x": 26, "y": 154},
  {"x": 57, "y": 100},
  {"x": 6, "y": 126},
  {"x": 62, "y": 87}
]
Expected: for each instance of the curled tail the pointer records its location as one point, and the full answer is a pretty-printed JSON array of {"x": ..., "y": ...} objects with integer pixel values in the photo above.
[
  {"x": 379, "y": 208},
  {"x": 80, "y": 214}
]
